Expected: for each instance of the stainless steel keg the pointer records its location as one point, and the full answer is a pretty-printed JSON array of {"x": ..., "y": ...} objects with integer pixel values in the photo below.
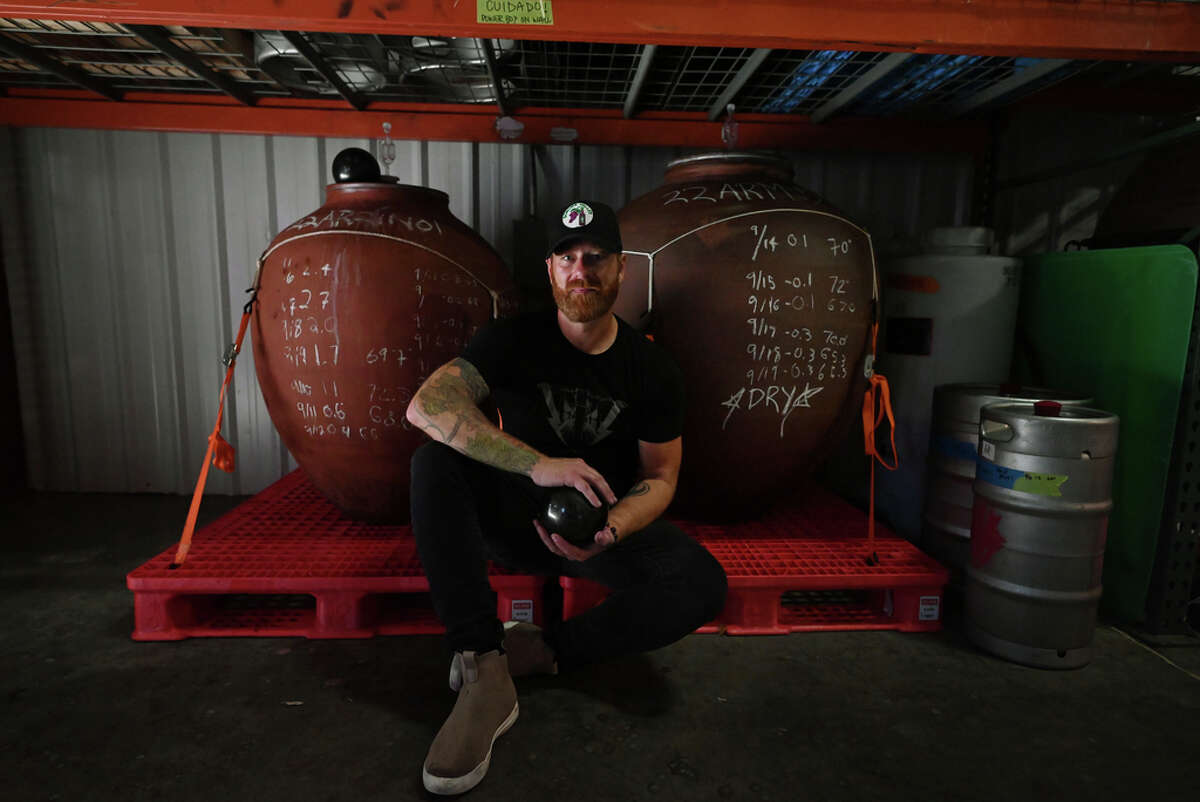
[
  {"x": 1042, "y": 489},
  {"x": 953, "y": 444}
]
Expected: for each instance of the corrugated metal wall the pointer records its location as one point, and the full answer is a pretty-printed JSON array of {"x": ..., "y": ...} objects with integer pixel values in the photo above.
[
  {"x": 128, "y": 253},
  {"x": 1045, "y": 215}
]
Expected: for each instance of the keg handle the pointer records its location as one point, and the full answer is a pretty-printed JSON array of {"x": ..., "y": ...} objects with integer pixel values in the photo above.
[{"x": 996, "y": 431}]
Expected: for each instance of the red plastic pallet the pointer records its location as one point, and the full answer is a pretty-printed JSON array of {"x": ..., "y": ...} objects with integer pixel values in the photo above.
[
  {"x": 806, "y": 569},
  {"x": 581, "y": 595},
  {"x": 286, "y": 562}
]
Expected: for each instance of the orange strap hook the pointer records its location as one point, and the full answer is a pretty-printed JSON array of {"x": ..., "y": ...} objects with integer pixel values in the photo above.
[
  {"x": 219, "y": 452},
  {"x": 877, "y": 404}
]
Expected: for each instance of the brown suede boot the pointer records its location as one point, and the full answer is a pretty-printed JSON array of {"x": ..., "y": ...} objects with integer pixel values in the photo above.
[
  {"x": 526, "y": 650},
  {"x": 487, "y": 706}
]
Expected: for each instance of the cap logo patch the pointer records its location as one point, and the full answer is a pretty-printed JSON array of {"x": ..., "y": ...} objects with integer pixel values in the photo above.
[{"x": 577, "y": 215}]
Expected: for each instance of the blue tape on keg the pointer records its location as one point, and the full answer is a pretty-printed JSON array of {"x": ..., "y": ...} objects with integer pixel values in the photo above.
[
  {"x": 997, "y": 475},
  {"x": 953, "y": 448},
  {"x": 1038, "y": 484}
]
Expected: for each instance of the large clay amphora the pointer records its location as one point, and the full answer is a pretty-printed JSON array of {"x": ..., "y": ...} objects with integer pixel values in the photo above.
[
  {"x": 358, "y": 303},
  {"x": 763, "y": 293}
]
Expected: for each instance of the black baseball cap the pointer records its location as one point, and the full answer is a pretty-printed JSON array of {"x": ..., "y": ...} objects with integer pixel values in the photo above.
[{"x": 584, "y": 220}]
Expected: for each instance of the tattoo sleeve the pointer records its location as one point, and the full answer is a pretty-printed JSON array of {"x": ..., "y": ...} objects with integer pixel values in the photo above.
[
  {"x": 470, "y": 376},
  {"x": 443, "y": 391},
  {"x": 446, "y": 407},
  {"x": 500, "y": 452}
]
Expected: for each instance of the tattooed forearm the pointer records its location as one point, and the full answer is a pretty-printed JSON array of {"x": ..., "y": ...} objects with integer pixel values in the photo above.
[
  {"x": 440, "y": 395},
  {"x": 457, "y": 425},
  {"x": 500, "y": 452},
  {"x": 470, "y": 376},
  {"x": 443, "y": 404},
  {"x": 640, "y": 489},
  {"x": 446, "y": 407},
  {"x": 641, "y": 504},
  {"x": 447, "y": 392},
  {"x": 427, "y": 425}
]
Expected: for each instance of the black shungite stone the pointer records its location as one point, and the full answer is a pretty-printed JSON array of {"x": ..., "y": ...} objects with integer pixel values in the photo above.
[
  {"x": 354, "y": 165},
  {"x": 570, "y": 514}
]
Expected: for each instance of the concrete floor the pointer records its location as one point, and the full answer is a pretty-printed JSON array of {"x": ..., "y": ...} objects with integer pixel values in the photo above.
[{"x": 88, "y": 714}]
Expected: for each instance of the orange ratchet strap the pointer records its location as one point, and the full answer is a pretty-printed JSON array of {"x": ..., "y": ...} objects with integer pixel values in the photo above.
[
  {"x": 877, "y": 404},
  {"x": 220, "y": 452}
]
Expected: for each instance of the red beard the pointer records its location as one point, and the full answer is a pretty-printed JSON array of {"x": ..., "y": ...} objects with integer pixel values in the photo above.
[{"x": 586, "y": 306}]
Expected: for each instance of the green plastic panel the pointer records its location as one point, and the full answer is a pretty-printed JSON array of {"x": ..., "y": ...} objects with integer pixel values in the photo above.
[{"x": 1114, "y": 324}]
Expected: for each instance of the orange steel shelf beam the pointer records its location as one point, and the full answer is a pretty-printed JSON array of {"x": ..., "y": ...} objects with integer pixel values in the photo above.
[
  {"x": 1093, "y": 29},
  {"x": 147, "y": 111}
]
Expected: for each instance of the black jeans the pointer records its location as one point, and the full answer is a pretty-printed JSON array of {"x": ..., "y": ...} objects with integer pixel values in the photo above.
[{"x": 664, "y": 584}]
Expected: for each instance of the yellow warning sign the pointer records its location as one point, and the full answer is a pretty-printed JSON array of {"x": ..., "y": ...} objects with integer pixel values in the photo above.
[{"x": 514, "y": 12}]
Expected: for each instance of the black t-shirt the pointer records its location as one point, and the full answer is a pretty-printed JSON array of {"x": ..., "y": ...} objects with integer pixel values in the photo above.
[{"x": 566, "y": 403}]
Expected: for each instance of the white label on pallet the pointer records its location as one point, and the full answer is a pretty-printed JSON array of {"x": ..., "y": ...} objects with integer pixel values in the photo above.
[
  {"x": 522, "y": 610},
  {"x": 988, "y": 449},
  {"x": 930, "y": 609}
]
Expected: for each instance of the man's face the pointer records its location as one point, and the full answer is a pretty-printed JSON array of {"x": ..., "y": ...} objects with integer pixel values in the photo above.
[{"x": 585, "y": 279}]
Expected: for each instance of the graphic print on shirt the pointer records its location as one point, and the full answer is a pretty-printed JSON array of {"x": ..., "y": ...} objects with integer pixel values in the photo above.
[{"x": 579, "y": 417}]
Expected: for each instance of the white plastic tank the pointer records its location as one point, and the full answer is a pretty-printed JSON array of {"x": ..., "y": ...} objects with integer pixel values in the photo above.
[{"x": 949, "y": 314}]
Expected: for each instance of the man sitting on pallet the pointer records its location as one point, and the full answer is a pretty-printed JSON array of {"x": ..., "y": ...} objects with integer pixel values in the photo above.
[{"x": 586, "y": 402}]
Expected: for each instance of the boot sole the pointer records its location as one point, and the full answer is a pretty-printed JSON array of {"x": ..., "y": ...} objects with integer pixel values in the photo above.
[{"x": 450, "y": 786}]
